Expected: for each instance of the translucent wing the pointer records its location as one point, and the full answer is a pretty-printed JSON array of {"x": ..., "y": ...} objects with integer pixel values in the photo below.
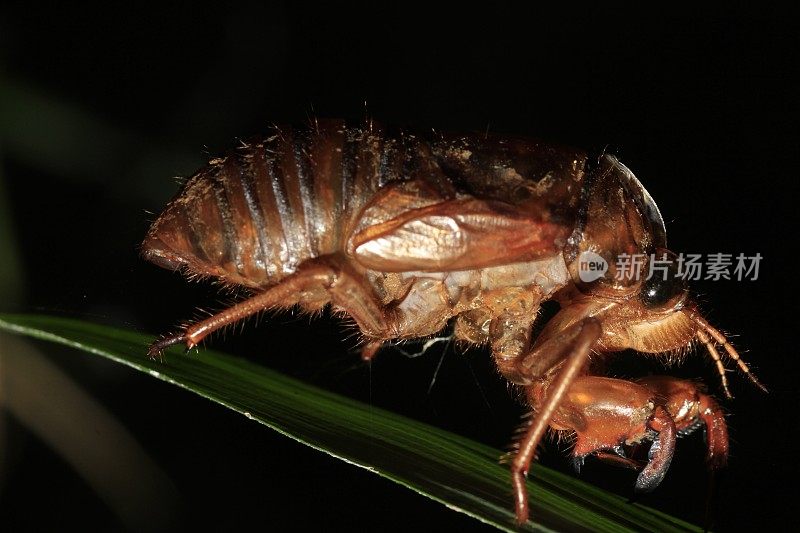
[{"x": 457, "y": 234}]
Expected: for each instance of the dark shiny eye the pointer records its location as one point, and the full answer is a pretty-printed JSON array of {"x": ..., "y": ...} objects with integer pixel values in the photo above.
[{"x": 664, "y": 285}]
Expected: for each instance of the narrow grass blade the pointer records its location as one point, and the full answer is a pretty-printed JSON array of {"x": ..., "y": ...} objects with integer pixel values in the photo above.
[{"x": 460, "y": 473}]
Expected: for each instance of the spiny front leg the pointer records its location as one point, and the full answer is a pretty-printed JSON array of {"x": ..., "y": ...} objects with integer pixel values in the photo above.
[
  {"x": 607, "y": 415},
  {"x": 661, "y": 451},
  {"x": 691, "y": 409}
]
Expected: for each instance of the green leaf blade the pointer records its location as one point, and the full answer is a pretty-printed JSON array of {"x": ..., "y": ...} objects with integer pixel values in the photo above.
[{"x": 459, "y": 473}]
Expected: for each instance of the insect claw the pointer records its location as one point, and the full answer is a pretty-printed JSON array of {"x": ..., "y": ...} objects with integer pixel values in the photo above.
[
  {"x": 156, "y": 350},
  {"x": 661, "y": 451}
]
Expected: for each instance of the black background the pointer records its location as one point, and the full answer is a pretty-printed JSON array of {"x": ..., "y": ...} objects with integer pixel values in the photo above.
[{"x": 701, "y": 104}]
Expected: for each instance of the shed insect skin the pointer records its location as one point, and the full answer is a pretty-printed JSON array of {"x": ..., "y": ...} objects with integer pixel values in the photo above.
[{"x": 405, "y": 233}]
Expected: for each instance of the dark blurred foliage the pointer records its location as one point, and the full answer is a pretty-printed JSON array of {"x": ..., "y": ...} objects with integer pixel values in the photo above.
[{"x": 101, "y": 107}]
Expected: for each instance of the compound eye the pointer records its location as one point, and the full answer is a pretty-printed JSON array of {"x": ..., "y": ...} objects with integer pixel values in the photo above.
[{"x": 664, "y": 285}]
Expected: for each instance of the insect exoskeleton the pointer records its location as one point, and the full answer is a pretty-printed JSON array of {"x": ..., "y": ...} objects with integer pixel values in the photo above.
[{"x": 406, "y": 233}]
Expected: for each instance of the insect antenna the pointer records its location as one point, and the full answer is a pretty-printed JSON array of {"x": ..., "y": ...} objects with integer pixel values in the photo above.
[
  {"x": 712, "y": 351},
  {"x": 729, "y": 350}
]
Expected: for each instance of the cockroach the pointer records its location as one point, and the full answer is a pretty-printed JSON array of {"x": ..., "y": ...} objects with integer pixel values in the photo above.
[{"x": 407, "y": 233}]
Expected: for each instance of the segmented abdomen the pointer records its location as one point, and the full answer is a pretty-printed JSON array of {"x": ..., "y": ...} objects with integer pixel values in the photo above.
[{"x": 252, "y": 217}]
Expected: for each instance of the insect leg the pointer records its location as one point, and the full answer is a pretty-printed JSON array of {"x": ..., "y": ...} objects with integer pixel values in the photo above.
[
  {"x": 345, "y": 291},
  {"x": 539, "y": 361},
  {"x": 606, "y": 414},
  {"x": 609, "y": 415},
  {"x": 510, "y": 338},
  {"x": 692, "y": 409},
  {"x": 617, "y": 460},
  {"x": 512, "y": 312},
  {"x": 354, "y": 296},
  {"x": 573, "y": 347},
  {"x": 661, "y": 451},
  {"x": 716, "y": 432}
]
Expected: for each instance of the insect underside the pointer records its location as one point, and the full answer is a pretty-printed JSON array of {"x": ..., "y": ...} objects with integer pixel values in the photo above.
[{"x": 405, "y": 233}]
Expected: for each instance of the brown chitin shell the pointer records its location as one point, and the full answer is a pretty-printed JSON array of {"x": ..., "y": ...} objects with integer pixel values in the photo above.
[
  {"x": 252, "y": 217},
  {"x": 403, "y": 232}
]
